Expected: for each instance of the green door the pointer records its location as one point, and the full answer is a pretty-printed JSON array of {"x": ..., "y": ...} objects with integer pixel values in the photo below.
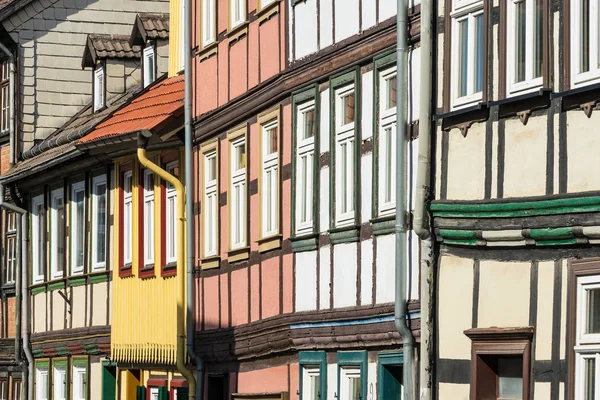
[
  {"x": 109, "y": 382},
  {"x": 391, "y": 382}
]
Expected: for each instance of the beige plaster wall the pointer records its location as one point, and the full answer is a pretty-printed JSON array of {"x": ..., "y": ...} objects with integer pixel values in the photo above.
[{"x": 466, "y": 163}]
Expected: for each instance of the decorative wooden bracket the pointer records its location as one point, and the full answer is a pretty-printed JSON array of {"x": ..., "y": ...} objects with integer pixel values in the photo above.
[
  {"x": 464, "y": 128},
  {"x": 524, "y": 116},
  {"x": 66, "y": 299},
  {"x": 588, "y": 108}
]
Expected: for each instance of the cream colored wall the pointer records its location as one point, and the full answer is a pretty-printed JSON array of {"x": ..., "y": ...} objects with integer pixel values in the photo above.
[
  {"x": 39, "y": 313},
  {"x": 543, "y": 337},
  {"x": 95, "y": 378},
  {"x": 466, "y": 163},
  {"x": 58, "y": 311},
  {"x": 452, "y": 391},
  {"x": 582, "y": 151},
  {"x": 78, "y": 302},
  {"x": 99, "y": 308}
]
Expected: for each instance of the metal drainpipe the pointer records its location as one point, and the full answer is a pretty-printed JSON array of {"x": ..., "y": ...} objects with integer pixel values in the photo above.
[
  {"x": 21, "y": 287},
  {"x": 421, "y": 220},
  {"x": 146, "y": 163},
  {"x": 189, "y": 212},
  {"x": 11, "y": 90},
  {"x": 401, "y": 265}
]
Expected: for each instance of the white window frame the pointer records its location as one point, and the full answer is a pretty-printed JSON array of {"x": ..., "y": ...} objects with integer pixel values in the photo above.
[
  {"x": 149, "y": 73},
  {"x": 240, "y": 6},
  {"x": 347, "y": 373},
  {"x": 264, "y": 3},
  {"x": 79, "y": 378},
  {"x": 238, "y": 197},
  {"x": 208, "y": 22},
  {"x": 345, "y": 135},
  {"x": 98, "y": 181},
  {"x": 593, "y": 75},
  {"x": 148, "y": 218},
  {"x": 4, "y": 389},
  {"x": 59, "y": 373},
  {"x": 587, "y": 346},
  {"x": 55, "y": 195},
  {"x": 387, "y": 120},
  {"x": 99, "y": 92},
  {"x": 153, "y": 393},
  {"x": 270, "y": 183},
  {"x": 11, "y": 248},
  {"x": 309, "y": 371},
  {"x": 171, "y": 216},
  {"x": 76, "y": 231},
  {"x": 469, "y": 11},
  {"x": 305, "y": 155},
  {"x": 40, "y": 393},
  {"x": 127, "y": 218},
  {"x": 210, "y": 205},
  {"x": 6, "y": 94},
  {"x": 38, "y": 270},
  {"x": 530, "y": 84}
]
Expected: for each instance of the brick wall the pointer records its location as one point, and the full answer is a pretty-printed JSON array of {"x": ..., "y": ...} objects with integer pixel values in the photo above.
[
  {"x": 10, "y": 316},
  {"x": 4, "y": 159}
]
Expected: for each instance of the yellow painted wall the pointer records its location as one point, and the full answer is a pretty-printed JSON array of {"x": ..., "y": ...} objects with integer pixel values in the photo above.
[
  {"x": 144, "y": 327},
  {"x": 175, "y": 37}
]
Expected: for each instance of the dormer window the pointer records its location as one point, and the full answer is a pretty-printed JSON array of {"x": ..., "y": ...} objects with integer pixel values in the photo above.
[
  {"x": 99, "y": 87},
  {"x": 149, "y": 65}
]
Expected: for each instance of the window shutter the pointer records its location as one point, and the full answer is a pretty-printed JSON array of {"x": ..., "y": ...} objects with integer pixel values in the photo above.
[
  {"x": 163, "y": 393},
  {"x": 140, "y": 393},
  {"x": 182, "y": 393}
]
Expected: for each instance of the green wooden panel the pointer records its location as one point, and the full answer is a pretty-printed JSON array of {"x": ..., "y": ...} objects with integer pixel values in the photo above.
[
  {"x": 183, "y": 393},
  {"x": 389, "y": 376},
  {"x": 109, "y": 383},
  {"x": 140, "y": 393},
  {"x": 163, "y": 393},
  {"x": 314, "y": 358}
]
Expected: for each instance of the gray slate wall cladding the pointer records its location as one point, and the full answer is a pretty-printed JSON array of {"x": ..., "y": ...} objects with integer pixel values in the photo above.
[{"x": 51, "y": 36}]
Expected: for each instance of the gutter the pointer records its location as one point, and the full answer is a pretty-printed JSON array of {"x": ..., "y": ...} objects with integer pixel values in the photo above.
[
  {"x": 146, "y": 163},
  {"x": 11, "y": 91},
  {"x": 21, "y": 289},
  {"x": 189, "y": 212},
  {"x": 401, "y": 265}
]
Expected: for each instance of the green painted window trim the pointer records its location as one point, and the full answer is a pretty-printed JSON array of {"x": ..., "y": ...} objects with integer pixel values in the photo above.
[
  {"x": 74, "y": 282},
  {"x": 385, "y": 60},
  {"x": 314, "y": 358},
  {"x": 383, "y": 359},
  {"x": 302, "y": 96},
  {"x": 335, "y": 82},
  {"x": 60, "y": 364},
  {"x": 305, "y": 243},
  {"x": 80, "y": 362},
  {"x": 56, "y": 286},
  {"x": 384, "y": 225},
  {"x": 353, "y": 359},
  {"x": 346, "y": 234},
  {"x": 99, "y": 278},
  {"x": 38, "y": 290},
  {"x": 42, "y": 364}
]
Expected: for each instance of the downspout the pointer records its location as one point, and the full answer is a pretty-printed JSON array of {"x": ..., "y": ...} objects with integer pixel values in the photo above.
[
  {"x": 189, "y": 212},
  {"x": 146, "y": 163},
  {"x": 21, "y": 288},
  {"x": 11, "y": 91},
  {"x": 401, "y": 265},
  {"x": 421, "y": 218}
]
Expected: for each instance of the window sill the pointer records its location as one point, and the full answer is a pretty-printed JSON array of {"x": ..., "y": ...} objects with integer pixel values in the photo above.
[
  {"x": 147, "y": 271},
  {"x": 207, "y": 52},
  {"x": 267, "y": 12},
  {"x": 584, "y": 97},
  {"x": 464, "y": 117},
  {"x": 524, "y": 103},
  {"x": 37, "y": 288},
  {"x": 384, "y": 225},
  {"x": 169, "y": 270},
  {"x": 240, "y": 254},
  {"x": 302, "y": 243},
  {"x": 210, "y": 262},
  {"x": 9, "y": 289},
  {"x": 125, "y": 270},
  {"x": 347, "y": 234},
  {"x": 269, "y": 243}
]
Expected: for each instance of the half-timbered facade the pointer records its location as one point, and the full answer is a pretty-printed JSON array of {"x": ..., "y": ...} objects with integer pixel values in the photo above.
[
  {"x": 295, "y": 130},
  {"x": 515, "y": 199}
]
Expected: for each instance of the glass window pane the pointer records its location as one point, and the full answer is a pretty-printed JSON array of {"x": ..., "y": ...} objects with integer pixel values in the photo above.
[
  {"x": 593, "y": 311},
  {"x": 538, "y": 38},
  {"x": 80, "y": 224},
  {"x": 520, "y": 38},
  {"x": 479, "y": 35},
  {"x": 100, "y": 223},
  {"x": 388, "y": 165},
  {"x": 41, "y": 234},
  {"x": 342, "y": 183},
  {"x": 355, "y": 388},
  {"x": 240, "y": 156},
  {"x": 60, "y": 234},
  {"x": 348, "y": 108},
  {"x": 391, "y": 93},
  {"x": 271, "y": 138},
  {"x": 463, "y": 57},
  {"x": 211, "y": 168},
  {"x": 590, "y": 378},
  {"x": 510, "y": 377},
  {"x": 308, "y": 124}
]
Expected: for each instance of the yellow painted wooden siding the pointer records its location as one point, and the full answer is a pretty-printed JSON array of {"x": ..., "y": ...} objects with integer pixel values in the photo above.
[
  {"x": 144, "y": 327},
  {"x": 175, "y": 37}
]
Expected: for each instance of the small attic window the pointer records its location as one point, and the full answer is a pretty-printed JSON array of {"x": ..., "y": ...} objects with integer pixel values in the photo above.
[
  {"x": 99, "y": 87},
  {"x": 149, "y": 65}
]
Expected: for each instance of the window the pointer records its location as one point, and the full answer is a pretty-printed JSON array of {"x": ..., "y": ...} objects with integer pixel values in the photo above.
[
  {"x": 17, "y": 389},
  {"x": 57, "y": 233},
  {"x": 11, "y": 248},
  {"x": 210, "y": 204},
  {"x": 313, "y": 375},
  {"x": 208, "y": 22},
  {"x": 238, "y": 193},
  {"x": 345, "y": 155},
  {"x": 127, "y": 217},
  {"x": 352, "y": 371},
  {"x": 149, "y": 65},
  {"x": 171, "y": 217},
  {"x": 148, "y": 217},
  {"x": 99, "y": 88},
  {"x": 585, "y": 54},
  {"x": 79, "y": 379},
  {"x": 154, "y": 393},
  {"x": 237, "y": 12},
  {"x": 311, "y": 383},
  {"x": 587, "y": 354},
  {"x": 305, "y": 166},
  {"x": 77, "y": 210},
  {"x": 270, "y": 179},
  {"x": 41, "y": 382},
  {"x": 386, "y": 142},
  {"x": 524, "y": 45},
  {"x": 467, "y": 53},
  {"x": 350, "y": 384},
  {"x": 38, "y": 238},
  {"x": 99, "y": 212},
  {"x": 5, "y": 97},
  {"x": 3, "y": 390},
  {"x": 264, "y": 3},
  {"x": 59, "y": 382},
  {"x": 501, "y": 362}
]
